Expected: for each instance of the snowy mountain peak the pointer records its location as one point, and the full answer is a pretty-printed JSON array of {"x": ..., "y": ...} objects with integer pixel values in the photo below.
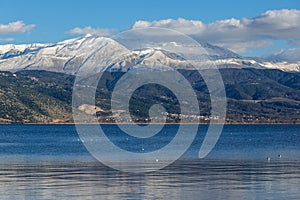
[
  {"x": 150, "y": 58},
  {"x": 88, "y": 35},
  {"x": 290, "y": 55},
  {"x": 68, "y": 55}
]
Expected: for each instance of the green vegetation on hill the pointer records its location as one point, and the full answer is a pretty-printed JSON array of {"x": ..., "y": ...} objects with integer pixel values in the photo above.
[{"x": 254, "y": 95}]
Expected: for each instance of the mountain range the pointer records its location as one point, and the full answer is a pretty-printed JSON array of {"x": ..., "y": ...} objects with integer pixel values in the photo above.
[
  {"x": 36, "y": 82},
  {"x": 68, "y": 55}
]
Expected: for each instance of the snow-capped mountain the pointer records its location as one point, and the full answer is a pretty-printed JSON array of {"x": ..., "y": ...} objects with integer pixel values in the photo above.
[
  {"x": 290, "y": 55},
  {"x": 67, "y": 56}
]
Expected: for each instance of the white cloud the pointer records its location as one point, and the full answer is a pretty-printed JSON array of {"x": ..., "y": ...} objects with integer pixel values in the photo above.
[
  {"x": 6, "y": 39},
  {"x": 93, "y": 31},
  {"x": 15, "y": 27},
  {"x": 239, "y": 34},
  {"x": 242, "y": 47},
  {"x": 182, "y": 25}
]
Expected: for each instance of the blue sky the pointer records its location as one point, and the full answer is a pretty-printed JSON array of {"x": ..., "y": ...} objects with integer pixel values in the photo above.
[{"x": 50, "y": 21}]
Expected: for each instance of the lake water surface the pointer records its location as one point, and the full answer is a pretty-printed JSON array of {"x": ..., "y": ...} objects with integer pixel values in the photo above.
[{"x": 50, "y": 162}]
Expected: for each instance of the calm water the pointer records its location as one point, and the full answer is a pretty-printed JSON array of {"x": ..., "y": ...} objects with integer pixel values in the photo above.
[{"x": 49, "y": 162}]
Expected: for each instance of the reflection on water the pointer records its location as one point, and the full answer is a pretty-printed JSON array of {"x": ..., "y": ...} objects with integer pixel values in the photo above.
[
  {"x": 50, "y": 162},
  {"x": 185, "y": 179}
]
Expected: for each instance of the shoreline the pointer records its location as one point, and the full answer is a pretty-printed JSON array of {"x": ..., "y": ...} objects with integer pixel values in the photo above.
[{"x": 169, "y": 123}]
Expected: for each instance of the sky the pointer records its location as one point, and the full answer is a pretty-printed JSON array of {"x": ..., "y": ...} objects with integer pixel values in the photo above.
[{"x": 249, "y": 27}]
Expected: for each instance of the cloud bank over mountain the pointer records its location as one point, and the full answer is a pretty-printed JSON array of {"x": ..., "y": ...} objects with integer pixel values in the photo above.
[{"x": 238, "y": 34}]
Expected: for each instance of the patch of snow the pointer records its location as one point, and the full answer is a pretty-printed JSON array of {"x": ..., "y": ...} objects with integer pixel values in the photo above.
[{"x": 69, "y": 55}]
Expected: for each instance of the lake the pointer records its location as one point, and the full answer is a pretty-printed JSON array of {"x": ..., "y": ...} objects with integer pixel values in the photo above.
[{"x": 50, "y": 162}]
